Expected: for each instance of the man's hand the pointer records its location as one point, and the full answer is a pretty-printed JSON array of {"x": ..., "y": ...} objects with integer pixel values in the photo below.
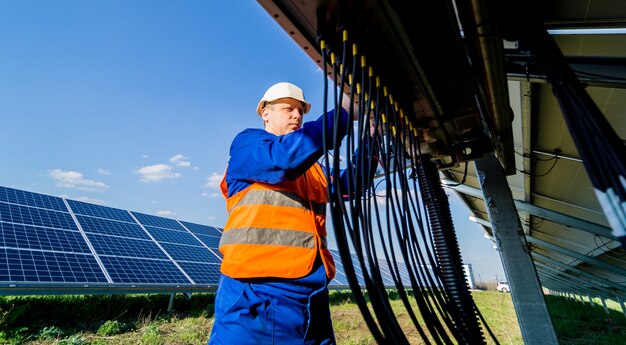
[{"x": 345, "y": 104}]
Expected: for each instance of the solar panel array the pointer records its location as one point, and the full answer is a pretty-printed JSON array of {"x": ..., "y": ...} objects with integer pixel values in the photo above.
[{"x": 48, "y": 242}]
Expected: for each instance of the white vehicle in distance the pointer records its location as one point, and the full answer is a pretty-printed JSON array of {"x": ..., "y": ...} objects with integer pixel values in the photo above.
[{"x": 503, "y": 287}]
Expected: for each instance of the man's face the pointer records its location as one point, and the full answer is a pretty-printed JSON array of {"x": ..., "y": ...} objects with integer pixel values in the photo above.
[{"x": 283, "y": 116}]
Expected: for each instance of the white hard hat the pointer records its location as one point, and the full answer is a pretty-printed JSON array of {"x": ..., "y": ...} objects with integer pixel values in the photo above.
[{"x": 283, "y": 90}]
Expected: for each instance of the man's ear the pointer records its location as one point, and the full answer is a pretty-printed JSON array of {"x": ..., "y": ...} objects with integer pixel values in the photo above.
[{"x": 265, "y": 114}]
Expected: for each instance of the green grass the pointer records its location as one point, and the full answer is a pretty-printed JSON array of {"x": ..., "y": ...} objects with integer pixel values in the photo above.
[{"x": 142, "y": 319}]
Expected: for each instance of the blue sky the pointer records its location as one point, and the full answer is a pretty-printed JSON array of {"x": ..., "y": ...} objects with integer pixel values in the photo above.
[{"x": 133, "y": 104}]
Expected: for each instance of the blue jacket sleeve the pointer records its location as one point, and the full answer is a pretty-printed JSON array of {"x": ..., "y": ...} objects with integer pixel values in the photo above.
[{"x": 259, "y": 156}]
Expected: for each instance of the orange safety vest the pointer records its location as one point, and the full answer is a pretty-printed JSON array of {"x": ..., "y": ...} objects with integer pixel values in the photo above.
[{"x": 276, "y": 230}]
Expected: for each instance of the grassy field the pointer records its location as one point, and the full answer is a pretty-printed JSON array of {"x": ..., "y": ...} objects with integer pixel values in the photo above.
[{"x": 141, "y": 319}]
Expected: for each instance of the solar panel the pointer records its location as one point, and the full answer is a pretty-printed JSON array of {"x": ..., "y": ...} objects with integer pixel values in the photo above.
[
  {"x": 160, "y": 222},
  {"x": 48, "y": 242}
]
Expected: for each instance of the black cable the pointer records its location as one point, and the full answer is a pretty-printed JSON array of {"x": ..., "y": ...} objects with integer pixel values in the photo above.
[{"x": 462, "y": 181}]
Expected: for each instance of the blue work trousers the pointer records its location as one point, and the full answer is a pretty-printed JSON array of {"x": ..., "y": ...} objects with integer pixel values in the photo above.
[{"x": 273, "y": 311}]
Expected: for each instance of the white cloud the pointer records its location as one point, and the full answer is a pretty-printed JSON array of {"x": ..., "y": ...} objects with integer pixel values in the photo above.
[
  {"x": 156, "y": 173},
  {"x": 214, "y": 180},
  {"x": 180, "y": 160},
  {"x": 166, "y": 213},
  {"x": 103, "y": 171},
  {"x": 75, "y": 180}
]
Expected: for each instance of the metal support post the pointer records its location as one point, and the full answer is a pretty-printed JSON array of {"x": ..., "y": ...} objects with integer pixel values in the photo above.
[
  {"x": 621, "y": 304},
  {"x": 170, "y": 305},
  {"x": 606, "y": 308},
  {"x": 530, "y": 304}
]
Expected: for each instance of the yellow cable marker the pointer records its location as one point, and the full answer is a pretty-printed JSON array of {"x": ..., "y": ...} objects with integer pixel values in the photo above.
[
  {"x": 345, "y": 35},
  {"x": 354, "y": 50},
  {"x": 332, "y": 58},
  {"x": 384, "y": 118},
  {"x": 323, "y": 44},
  {"x": 371, "y": 71},
  {"x": 372, "y": 105},
  {"x": 393, "y": 130},
  {"x": 358, "y": 88},
  {"x": 363, "y": 61},
  {"x": 377, "y": 82},
  {"x": 391, "y": 98},
  {"x": 415, "y": 131}
]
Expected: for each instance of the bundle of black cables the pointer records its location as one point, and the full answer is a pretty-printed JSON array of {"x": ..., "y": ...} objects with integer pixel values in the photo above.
[{"x": 410, "y": 223}]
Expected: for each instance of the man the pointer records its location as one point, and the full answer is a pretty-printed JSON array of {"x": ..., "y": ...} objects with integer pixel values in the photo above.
[{"x": 276, "y": 267}]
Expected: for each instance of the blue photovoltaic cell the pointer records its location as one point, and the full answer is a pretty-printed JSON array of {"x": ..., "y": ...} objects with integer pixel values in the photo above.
[
  {"x": 38, "y": 266},
  {"x": 202, "y": 229},
  {"x": 172, "y": 236},
  {"x": 21, "y": 197},
  {"x": 33, "y": 237},
  {"x": 181, "y": 252},
  {"x": 119, "y": 246},
  {"x": 202, "y": 273},
  {"x": 35, "y": 216},
  {"x": 217, "y": 252},
  {"x": 137, "y": 271},
  {"x": 86, "y": 209},
  {"x": 210, "y": 241},
  {"x": 146, "y": 219},
  {"x": 111, "y": 227},
  {"x": 340, "y": 279}
]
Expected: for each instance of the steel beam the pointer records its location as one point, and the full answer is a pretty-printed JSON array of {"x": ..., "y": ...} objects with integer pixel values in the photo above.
[
  {"x": 588, "y": 275},
  {"x": 573, "y": 285},
  {"x": 576, "y": 255},
  {"x": 549, "y": 215},
  {"x": 526, "y": 292},
  {"x": 560, "y": 218}
]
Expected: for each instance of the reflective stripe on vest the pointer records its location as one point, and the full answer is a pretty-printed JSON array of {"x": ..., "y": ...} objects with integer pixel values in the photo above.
[
  {"x": 271, "y": 237},
  {"x": 268, "y": 237},
  {"x": 279, "y": 198}
]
